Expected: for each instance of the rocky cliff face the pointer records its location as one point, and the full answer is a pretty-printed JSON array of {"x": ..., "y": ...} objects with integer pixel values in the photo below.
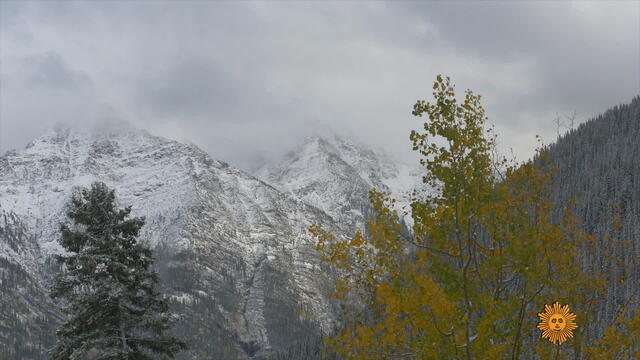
[
  {"x": 233, "y": 253},
  {"x": 27, "y": 315}
]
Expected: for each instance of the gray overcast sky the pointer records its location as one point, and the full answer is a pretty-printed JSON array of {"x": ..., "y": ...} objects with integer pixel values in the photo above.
[{"x": 247, "y": 80}]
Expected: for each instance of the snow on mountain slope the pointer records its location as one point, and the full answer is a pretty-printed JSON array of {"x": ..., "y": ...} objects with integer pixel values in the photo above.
[
  {"x": 150, "y": 173},
  {"x": 233, "y": 252},
  {"x": 336, "y": 175}
]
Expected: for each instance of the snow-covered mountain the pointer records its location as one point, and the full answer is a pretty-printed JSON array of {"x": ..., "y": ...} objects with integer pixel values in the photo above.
[
  {"x": 336, "y": 174},
  {"x": 233, "y": 252}
]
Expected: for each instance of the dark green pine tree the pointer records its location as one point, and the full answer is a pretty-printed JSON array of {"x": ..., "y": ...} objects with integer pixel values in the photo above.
[{"x": 107, "y": 286}]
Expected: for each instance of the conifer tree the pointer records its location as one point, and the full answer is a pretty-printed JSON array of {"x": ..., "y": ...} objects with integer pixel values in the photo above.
[{"x": 107, "y": 285}]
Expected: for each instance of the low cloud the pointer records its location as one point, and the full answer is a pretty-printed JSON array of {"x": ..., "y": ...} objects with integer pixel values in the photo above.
[{"x": 248, "y": 80}]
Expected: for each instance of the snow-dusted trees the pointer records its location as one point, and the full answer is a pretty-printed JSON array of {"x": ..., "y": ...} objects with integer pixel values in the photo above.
[
  {"x": 107, "y": 286},
  {"x": 598, "y": 165}
]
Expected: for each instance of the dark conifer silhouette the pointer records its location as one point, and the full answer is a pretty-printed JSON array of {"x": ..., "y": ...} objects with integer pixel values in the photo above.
[{"x": 107, "y": 286}]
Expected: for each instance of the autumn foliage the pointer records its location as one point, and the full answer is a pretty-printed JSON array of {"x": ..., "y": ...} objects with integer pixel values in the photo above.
[{"x": 483, "y": 256}]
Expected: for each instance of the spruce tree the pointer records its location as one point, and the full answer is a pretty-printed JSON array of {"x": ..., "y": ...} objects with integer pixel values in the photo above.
[{"x": 107, "y": 285}]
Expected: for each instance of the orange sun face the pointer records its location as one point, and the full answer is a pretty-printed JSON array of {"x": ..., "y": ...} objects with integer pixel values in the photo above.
[{"x": 557, "y": 323}]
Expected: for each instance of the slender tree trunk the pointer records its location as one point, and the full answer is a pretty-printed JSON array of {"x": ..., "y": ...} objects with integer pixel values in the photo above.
[
  {"x": 123, "y": 337},
  {"x": 516, "y": 341},
  {"x": 464, "y": 265}
]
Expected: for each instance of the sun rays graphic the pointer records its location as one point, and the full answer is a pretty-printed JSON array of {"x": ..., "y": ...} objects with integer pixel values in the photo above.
[{"x": 557, "y": 323}]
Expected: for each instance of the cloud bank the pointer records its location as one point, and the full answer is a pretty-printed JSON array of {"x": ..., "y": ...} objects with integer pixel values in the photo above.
[{"x": 248, "y": 80}]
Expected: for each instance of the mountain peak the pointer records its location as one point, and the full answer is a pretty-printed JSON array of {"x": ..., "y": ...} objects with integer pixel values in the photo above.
[{"x": 335, "y": 174}]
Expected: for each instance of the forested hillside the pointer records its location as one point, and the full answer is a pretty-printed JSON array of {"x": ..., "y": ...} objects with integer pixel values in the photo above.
[{"x": 598, "y": 166}]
